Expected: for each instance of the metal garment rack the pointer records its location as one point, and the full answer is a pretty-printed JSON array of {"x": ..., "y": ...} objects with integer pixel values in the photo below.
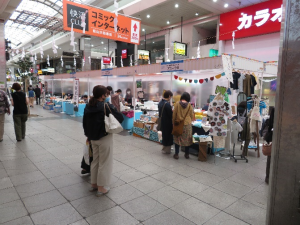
[{"x": 242, "y": 157}]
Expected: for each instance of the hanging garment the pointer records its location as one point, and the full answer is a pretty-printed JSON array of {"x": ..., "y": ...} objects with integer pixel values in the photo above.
[
  {"x": 262, "y": 106},
  {"x": 255, "y": 117},
  {"x": 240, "y": 83},
  {"x": 235, "y": 76},
  {"x": 235, "y": 129},
  {"x": 254, "y": 83}
]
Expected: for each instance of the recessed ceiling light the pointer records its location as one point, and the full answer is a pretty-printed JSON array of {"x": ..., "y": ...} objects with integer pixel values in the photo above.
[
  {"x": 92, "y": 45},
  {"x": 168, "y": 22},
  {"x": 215, "y": 0},
  {"x": 221, "y": 24},
  {"x": 197, "y": 14},
  {"x": 176, "y": 5},
  {"x": 153, "y": 42},
  {"x": 143, "y": 29},
  {"x": 141, "y": 44},
  {"x": 102, "y": 42},
  {"x": 148, "y": 16},
  {"x": 104, "y": 48},
  {"x": 226, "y": 5}
]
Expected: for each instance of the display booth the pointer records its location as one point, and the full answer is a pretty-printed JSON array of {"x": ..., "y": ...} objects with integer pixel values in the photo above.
[{"x": 146, "y": 84}]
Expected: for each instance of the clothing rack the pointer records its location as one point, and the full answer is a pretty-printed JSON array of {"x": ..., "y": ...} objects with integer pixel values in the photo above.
[{"x": 233, "y": 156}]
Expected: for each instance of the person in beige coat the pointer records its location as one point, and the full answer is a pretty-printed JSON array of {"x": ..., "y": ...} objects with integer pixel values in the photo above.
[{"x": 184, "y": 111}]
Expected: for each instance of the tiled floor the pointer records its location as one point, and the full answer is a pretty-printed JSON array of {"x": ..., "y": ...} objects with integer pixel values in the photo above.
[{"x": 40, "y": 182}]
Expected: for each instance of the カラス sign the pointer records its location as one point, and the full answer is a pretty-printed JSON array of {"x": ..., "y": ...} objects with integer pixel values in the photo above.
[
  {"x": 262, "y": 18},
  {"x": 172, "y": 66},
  {"x": 100, "y": 23}
]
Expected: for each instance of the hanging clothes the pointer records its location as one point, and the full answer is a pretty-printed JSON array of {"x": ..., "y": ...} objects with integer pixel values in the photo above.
[
  {"x": 249, "y": 84},
  {"x": 262, "y": 106},
  {"x": 257, "y": 87},
  {"x": 240, "y": 83},
  {"x": 235, "y": 76},
  {"x": 254, "y": 83}
]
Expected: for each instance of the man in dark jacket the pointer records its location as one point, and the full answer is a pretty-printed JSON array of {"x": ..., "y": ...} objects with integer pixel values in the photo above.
[
  {"x": 37, "y": 91},
  {"x": 166, "y": 114}
]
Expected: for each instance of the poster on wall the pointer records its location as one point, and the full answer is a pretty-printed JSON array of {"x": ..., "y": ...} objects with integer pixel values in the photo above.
[
  {"x": 76, "y": 91},
  {"x": 100, "y": 23},
  {"x": 143, "y": 54},
  {"x": 227, "y": 66}
]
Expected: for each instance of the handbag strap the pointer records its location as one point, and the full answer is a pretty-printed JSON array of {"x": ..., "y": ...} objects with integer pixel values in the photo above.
[
  {"x": 162, "y": 110},
  {"x": 187, "y": 113},
  {"x": 105, "y": 108}
]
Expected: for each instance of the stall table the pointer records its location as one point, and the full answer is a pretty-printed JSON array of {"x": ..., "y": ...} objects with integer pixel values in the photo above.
[{"x": 127, "y": 124}]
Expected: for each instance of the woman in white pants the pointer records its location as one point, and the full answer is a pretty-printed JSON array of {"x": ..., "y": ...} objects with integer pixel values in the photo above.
[{"x": 102, "y": 142}]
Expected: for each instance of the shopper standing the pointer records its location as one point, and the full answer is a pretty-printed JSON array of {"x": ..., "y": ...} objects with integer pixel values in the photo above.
[
  {"x": 4, "y": 108},
  {"x": 31, "y": 97},
  {"x": 109, "y": 93},
  {"x": 102, "y": 142},
  {"x": 165, "y": 113},
  {"x": 37, "y": 91},
  {"x": 183, "y": 111},
  {"x": 20, "y": 113},
  {"x": 128, "y": 97},
  {"x": 115, "y": 99}
]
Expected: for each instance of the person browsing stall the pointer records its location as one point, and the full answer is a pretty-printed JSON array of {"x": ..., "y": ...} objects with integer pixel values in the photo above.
[
  {"x": 102, "y": 142},
  {"x": 115, "y": 99},
  {"x": 37, "y": 92},
  {"x": 165, "y": 113},
  {"x": 4, "y": 108},
  {"x": 183, "y": 111}
]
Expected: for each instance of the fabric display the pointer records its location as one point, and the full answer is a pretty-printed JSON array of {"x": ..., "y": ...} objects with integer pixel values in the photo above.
[
  {"x": 147, "y": 129},
  {"x": 129, "y": 114},
  {"x": 219, "y": 111},
  {"x": 153, "y": 136},
  {"x": 262, "y": 106},
  {"x": 202, "y": 138}
]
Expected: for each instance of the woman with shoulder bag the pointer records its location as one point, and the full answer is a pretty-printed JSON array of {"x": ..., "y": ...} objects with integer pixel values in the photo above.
[
  {"x": 183, "y": 116},
  {"x": 165, "y": 120},
  {"x": 20, "y": 114},
  {"x": 102, "y": 142}
]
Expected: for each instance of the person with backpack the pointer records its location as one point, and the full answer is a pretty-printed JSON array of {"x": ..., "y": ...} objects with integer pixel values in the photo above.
[{"x": 4, "y": 108}]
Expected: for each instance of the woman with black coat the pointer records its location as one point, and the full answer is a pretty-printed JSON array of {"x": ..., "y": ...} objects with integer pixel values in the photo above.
[
  {"x": 166, "y": 114},
  {"x": 102, "y": 142}
]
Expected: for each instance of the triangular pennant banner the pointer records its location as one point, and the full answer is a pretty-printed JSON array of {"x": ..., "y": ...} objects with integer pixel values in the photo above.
[
  {"x": 201, "y": 81},
  {"x": 222, "y": 74},
  {"x": 191, "y": 81},
  {"x": 185, "y": 80},
  {"x": 180, "y": 78},
  {"x": 212, "y": 78},
  {"x": 196, "y": 81},
  {"x": 206, "y": 80},
  {"x": 219, "y": 76},
  {"x": 176, "y": 77}
]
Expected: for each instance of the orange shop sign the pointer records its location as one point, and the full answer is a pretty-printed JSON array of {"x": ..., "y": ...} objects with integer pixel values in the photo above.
[{"x": 97, "y": 22}]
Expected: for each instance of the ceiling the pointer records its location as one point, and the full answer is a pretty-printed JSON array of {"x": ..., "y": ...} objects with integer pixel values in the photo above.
[
  {"x": 211, "y": 26},
  {"x": 166, "y": 11},
  {"x": 7, "y": 7}
]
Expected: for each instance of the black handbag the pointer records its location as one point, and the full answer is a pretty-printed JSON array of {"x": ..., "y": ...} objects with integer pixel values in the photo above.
[{"x": 159, "y": 119}]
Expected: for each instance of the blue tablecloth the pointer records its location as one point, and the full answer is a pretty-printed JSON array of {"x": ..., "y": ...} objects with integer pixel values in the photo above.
[
  {"x": 80, "y": 110},
  {"x": 127, "y": 124},
  {"x": 64, "y": 106},
  {"x": 70, "y": 109},
  {"x": 56, "y": 102}
]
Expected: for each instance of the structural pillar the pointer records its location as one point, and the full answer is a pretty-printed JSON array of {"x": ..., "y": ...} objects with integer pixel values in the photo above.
[
  {"x": 85, "y": 46},
  {"x": 284, "y": 189},
  {"x": 2, "y": 55}
]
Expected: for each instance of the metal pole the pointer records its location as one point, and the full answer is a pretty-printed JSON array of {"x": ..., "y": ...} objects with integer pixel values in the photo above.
[
  {"x": 145, "y": 41},
  {"x": 181, "y": 27},
  {"x": 89, "y": 88}
]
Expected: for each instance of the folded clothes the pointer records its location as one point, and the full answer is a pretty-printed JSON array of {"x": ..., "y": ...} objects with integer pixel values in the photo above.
[
  {"x": 128, "y": 114},
  {"x": 197, "y": 124}
]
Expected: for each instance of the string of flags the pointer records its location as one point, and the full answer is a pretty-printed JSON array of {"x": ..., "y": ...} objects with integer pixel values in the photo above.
[{"x": 200, "y": 81}]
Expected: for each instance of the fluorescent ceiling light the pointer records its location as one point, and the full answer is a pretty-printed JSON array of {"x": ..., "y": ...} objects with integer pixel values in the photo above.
[
  {"x": 215, "y": 0},
  {"x": 148, "y": 16},
  {"x": 197, "y": 14},
  {"x": 176, "y": 5},
  {"x": 143, "y": 29},
  {"x": 226, "y": 5},
  {"x": 168, "y": 22}
]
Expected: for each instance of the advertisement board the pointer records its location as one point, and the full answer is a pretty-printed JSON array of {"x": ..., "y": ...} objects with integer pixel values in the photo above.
[
  {"x": 124, "y": 54},
  {"x": 180, "y": 48},
  {"x": 144, "y": 54},
  {"x": 258, "y": 19},
  {"x": 106, "y": 60},
  {"x": 98, "y": 22}
]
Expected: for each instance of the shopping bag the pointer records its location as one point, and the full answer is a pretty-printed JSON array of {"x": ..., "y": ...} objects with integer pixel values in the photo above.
[
  {"x": 112, "y": 125},
  {"x": 86, "y": 154}
]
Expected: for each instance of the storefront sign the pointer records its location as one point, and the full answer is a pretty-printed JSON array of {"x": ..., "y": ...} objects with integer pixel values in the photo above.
[
  {"x": 227, "y": 66},
  {"x": 50, "y": 70},
  {"x": 124, "y": 54},
  {"x": 172, "y": 66},
  {"x": 107, "y": 72},
  {"x": 262, "y": 18},
  {"x": 97, "y": 22},
  {"x": 40, "y": 72},
  {"x": 76, "y": 91},
  {"x": 180, "y": 48},
  {"x": 106, "y": 60}
]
